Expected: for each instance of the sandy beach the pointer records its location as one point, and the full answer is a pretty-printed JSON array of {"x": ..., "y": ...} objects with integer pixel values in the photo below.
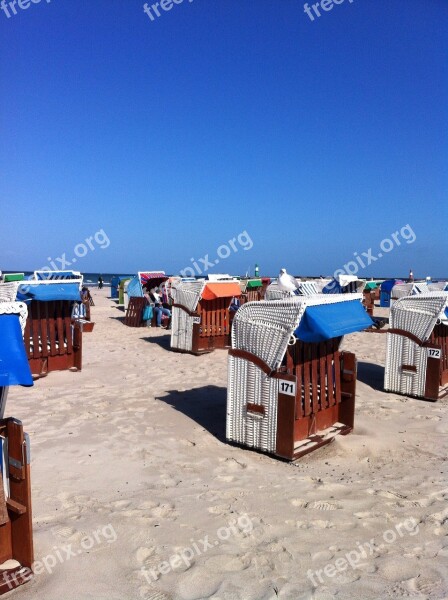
[{"x": 136, "y": 493}]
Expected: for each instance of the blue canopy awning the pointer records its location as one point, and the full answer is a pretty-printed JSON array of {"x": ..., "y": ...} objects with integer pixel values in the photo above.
[
  {"x": 387, "y": 285},
  {"x": 135, "y": 288},
  {"x": 326, "y": 321},
  {"x": 51, "y": 275},
  {"x": 334, "y": 287},
  {"x": 47, "y": 292},
  {"x": 14, "y": 366}
]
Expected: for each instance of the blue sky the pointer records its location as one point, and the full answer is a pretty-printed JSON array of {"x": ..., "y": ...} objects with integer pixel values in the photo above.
[{"x": 318, "y": 138}]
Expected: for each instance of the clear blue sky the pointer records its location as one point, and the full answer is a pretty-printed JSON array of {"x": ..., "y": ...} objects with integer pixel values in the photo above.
[{"x": 319, "y": 138}]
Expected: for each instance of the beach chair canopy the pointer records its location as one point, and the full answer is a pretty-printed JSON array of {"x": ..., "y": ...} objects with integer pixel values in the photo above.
[
  {"x": 189, "y": 294},
  {"x": 387, "y": 285},
  {"x": 150, "y": 279},
  {"x": 420, "y": 313},
  {"x": 326, "y": 321},
  {"x": 14, "y": 366},
  {"x": 265, "y": 328},
  {"x": 223, "y": 289},
  {"x": 134, "y": 288},
  {"x": 253, "y": 283},
  {"x": 46, "y": 292},
  {"x": 56, "y": 275},
  {"x": 338, "y": 284},
  {"x": 7, "y": 277}
]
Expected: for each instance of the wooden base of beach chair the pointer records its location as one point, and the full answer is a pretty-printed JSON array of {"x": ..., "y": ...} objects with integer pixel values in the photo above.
[
  {"x": 208, "y": 329},
  {"x": 435, "y": 384},
  {"x": 323, "y": 406},
  {"x": 369, "y": 301},
  {"x": 16, "y": 533},
  {"x": 52, "y": 341},
  {"x": 134, "y": 312},
  {"x": 303, "y": 405}
]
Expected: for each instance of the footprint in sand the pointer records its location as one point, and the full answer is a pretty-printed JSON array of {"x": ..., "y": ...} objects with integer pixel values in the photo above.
[
  {"x": 423, "y": 586},
  {"x": 320, "y": 524},
  {"x": 148, "y": 594},
  {"x": 219, "y": 509},
  {"x": 386, "y": 494},
  {"x": 317, "y": 505},
  {"x": 411, "y": 503},
  {"x": 63, "y": 532}
]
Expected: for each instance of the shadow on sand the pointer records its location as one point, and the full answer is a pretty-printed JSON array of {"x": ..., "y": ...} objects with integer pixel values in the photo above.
[
  {"x": 372, "y": 375},
  {"x": 161, "y": 339},
  {"x": 205, "y": 405}
]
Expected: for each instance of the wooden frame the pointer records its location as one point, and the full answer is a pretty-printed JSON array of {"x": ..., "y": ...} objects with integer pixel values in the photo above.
[
  {"x": 212, "y": 322},
  {"x": 52, "y": 341},
  {"x": 325, "y": 381},
  {"x": 369, "y": 301},
  {"x": 323, "y": 403},
  {"x": 16, "y": 533}
]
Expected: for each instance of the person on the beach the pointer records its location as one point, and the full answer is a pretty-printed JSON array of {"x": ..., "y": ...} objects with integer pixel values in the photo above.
[
  {"x": 100, "y": 283},
  {"x": 159, "y": 309}
]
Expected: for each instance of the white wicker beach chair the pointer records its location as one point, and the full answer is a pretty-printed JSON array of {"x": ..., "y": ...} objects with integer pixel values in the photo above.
[
  {"x": 186, "y": 296},
  {"x": 8, "y": 291},
  {"x": 417, "y": 346},
  {"x": 287, "y": 396},
  {"x": 402, "y": 290}
]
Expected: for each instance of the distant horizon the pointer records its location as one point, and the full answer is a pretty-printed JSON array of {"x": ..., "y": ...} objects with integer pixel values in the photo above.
[{"x": 96, "y": 274}]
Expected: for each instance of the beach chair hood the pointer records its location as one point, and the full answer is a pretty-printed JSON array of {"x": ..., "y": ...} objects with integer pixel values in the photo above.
[
  {"x": 46, "y": 291},
  {"x": 14, "y": 366},
  {"x": 265, "y": 328},
  {"x": 419, "y": 314}
]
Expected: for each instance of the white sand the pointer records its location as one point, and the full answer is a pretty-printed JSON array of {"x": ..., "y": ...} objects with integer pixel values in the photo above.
[{"x": 136, "y": 441}]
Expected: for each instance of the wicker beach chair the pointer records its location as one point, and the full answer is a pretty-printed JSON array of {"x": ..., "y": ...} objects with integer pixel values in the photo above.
[
  {"x": 305, "y": 288},
  {"x": 401, "y": 290},
  {"x": 417, "y": 346},
  {"x": 16, "y": 535},
  {"x": 8, "y": 291},
  {"x": 201, "y": 315},
  {"x": 53, "y": 340},
  {"x": 251, "y": 290},
  {"x": 290, "y": 388},
  {"x": 134, "y": 295}
]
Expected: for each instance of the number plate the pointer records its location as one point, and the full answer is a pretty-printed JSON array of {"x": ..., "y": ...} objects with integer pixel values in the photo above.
[
  {"x": 434, "y": 353},
  {"x": 287, "y": 387},
  {"x": 197, "y": 320}
]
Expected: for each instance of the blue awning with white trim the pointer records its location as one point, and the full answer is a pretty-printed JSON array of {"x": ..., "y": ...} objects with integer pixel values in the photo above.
[
  {"x": 45, "y": 292},
  {"x": 327, "y": 321}
]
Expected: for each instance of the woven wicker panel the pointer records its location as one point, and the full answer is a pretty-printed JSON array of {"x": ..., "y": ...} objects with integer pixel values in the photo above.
[
  {"x": 187, "y": 294},
  {"x": 403, "y": 351},
  {"x": 418, "y": 314},
  {"x": 8, "y": 291},
  {"x": 181, "y": 330},
  {"x": 248, "y": 384}
]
